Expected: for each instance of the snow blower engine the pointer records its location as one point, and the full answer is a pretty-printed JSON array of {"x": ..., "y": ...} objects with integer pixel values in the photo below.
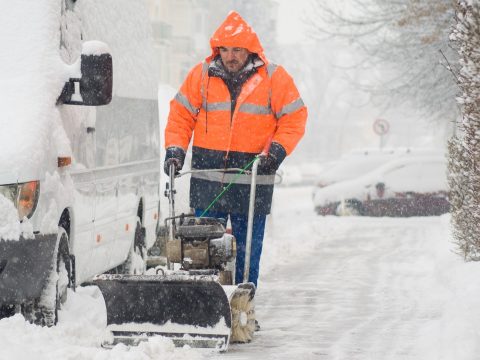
[{"x": 201, "y": 246}]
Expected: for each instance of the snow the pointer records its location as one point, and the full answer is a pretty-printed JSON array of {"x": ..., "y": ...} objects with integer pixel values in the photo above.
[
  {"x": 35, "y": 66},
  {"x": 413, "y": 173},
  {"x": 362, "y": 160},
  {"x": 112, "y": 22},
  {"x": 238, "y": 30},
  {"x": 165, "y": 94},
  {"x": 94, "y": 47},
  {"x": 219, "y": 329},
  {"x": 330, "y": 288},
  {"x": 9, "y": 223},
  {"x": 32, "y": 79},
  {"x": 49, "y": 224},
  {"x": 26, "y": 227}
]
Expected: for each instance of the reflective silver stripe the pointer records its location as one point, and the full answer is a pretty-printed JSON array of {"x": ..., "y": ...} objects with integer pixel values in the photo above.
[
  {"x": 245, "y": 108},
  {"x": 182, "y": 99},
  {"x": 290, "y": 108},
  {"x": 271, "y": 69},
  {"x": 255, "y": 109},
  {"x": 205, "y": 66},
  {"x": 219, "y": 106},
  {"x": 237, "y": 179}
]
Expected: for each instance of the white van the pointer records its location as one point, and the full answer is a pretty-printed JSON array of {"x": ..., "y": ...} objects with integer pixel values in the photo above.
[{"x": 79, "y": 155}]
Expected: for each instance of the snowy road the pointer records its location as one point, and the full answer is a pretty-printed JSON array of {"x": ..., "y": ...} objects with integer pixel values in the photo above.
[{"x": 331, "y": 288}]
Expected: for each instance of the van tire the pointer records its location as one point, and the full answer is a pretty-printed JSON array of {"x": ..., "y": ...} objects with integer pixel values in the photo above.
[
  {"x": 43, "y": 311},
  {"x": 137, "y": 257}
]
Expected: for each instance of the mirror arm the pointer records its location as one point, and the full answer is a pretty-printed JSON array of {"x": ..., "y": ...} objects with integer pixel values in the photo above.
[{"x": 67, "y": 92}]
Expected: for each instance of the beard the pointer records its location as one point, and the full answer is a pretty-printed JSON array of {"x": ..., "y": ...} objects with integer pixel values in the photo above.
[{"x": 234, "y": 64}]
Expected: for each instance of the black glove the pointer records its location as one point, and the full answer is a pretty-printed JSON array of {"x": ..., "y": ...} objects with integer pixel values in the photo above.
[
  {"x": 176, "y": 156},
  {"x": 270, "y": 163}
]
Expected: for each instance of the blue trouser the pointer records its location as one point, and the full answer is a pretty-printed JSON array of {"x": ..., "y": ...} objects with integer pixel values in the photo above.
[{"x": 239, "y": 229}]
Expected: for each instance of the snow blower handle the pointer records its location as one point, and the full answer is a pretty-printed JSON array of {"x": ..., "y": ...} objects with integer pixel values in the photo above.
[
  {"x": 251, "y": 209},
  {"x": 171, "y": 200}
]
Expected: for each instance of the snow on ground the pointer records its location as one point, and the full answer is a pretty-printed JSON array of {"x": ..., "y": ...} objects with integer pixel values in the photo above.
[{"x": 330, "y": 288}]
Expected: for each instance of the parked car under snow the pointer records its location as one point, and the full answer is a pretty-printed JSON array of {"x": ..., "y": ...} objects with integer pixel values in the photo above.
[
  {"x": 361, "y": 161},
  {"x": 407, "y": 186}
]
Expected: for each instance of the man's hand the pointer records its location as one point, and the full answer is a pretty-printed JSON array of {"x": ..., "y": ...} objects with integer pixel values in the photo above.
[
  {"x": 176, "y": 156},
  {"x": 269, "y": 163}
]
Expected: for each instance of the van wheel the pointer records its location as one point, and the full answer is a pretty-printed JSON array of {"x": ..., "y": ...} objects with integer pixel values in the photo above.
[
  {"x": 136, "y": 260},
  {"x": 44, "y": 310}
]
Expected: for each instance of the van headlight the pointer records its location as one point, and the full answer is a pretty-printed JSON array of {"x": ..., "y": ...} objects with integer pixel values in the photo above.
[{"x": 24, "y": 196}]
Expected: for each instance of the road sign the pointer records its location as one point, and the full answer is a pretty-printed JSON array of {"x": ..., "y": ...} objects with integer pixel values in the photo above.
[{"x": 381, "y": 126}]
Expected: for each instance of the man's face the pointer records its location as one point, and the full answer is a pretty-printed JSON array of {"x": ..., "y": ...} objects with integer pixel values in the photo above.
[{"x": 233, "y": 58}]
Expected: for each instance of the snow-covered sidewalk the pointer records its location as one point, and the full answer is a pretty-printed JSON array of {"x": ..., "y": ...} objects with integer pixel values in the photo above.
[
  {"x": 362, "y": 288},
  {"x": 330, "y": 288}
]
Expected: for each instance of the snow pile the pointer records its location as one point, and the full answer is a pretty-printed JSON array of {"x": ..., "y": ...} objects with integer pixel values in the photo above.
[
  {"x": 452, "y": 330},
  {"x": 10, "y": 227},
  {"x": 156, "y": 348},
  {"x": 49, "y": 224},
  {"x": 26, "y": 227},
  {"x": 9, "y": 224},
  {"x": 78, "y": 336}
]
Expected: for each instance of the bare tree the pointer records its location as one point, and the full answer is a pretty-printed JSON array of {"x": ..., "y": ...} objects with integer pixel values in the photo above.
[{"x": 410, "y": 37}]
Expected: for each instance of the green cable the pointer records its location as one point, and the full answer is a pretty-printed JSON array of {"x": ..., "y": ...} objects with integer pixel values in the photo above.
[{"x": 228, "y": 186}]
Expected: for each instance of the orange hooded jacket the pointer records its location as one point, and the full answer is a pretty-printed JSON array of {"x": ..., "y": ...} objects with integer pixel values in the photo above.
[{"x": 268, "y": 108}]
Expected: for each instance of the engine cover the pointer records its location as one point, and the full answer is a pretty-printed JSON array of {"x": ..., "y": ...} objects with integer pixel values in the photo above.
[{"x": 201, "y": 243}]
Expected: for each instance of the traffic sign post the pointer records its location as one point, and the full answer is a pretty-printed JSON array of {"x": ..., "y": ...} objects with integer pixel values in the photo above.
[{"x": 381, "y": 127}]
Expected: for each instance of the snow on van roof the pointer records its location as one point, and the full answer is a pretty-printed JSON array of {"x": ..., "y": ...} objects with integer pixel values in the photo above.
[
  {"x": 33, "y": 73},
  {"x": 31, "y": 76}
]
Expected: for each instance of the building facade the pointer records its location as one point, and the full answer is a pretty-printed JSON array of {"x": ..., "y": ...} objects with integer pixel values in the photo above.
[{"x": 182, "y": 29}]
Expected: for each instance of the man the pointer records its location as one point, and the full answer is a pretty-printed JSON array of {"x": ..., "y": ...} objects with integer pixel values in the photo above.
[{"x": 237, "y": 104}]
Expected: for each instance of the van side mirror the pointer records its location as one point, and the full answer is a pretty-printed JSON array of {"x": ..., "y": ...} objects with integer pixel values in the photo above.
[{"x": 94, "y": 86}]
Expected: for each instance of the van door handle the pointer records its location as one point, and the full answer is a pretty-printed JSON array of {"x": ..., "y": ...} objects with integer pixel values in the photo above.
[{"x": 90, "y": 130}]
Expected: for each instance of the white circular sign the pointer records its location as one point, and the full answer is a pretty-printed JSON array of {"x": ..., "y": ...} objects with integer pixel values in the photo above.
[{"x": 381, "y": 126}]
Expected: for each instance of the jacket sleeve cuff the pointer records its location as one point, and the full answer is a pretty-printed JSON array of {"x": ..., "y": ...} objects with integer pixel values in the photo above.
[
  {"x": 175, "y": 152},
  {"x": 278, "y": 152}
]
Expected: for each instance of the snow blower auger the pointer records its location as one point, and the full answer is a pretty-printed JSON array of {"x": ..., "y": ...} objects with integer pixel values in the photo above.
[{"x": 198, "y": 304}]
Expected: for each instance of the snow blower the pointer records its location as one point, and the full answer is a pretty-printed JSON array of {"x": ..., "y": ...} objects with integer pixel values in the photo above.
[{"x": 193, "y": 301}]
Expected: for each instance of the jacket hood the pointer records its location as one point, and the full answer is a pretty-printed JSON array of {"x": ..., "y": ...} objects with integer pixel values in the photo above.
[{"x": 236, "y": 32}]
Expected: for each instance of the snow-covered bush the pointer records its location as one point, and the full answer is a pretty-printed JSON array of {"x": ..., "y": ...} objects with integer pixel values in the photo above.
[{"x": 464, "y": 149}]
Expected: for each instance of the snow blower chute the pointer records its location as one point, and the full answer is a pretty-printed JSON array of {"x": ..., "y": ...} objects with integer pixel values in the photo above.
[{"x": 197, "y": 304}]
